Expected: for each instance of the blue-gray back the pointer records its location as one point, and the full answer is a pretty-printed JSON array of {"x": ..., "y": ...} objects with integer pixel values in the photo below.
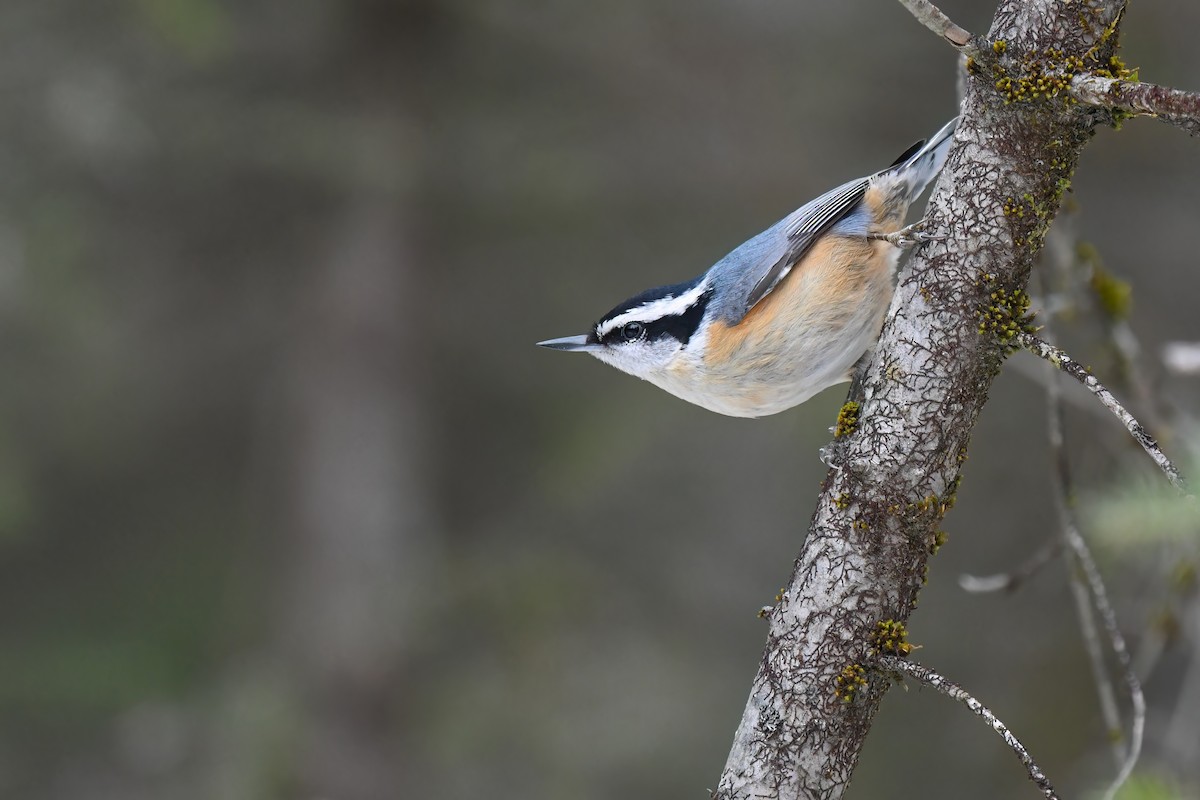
[{"x": 749, "y": 273}]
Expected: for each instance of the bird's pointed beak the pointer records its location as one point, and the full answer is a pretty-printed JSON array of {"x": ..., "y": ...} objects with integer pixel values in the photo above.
[{"x": 570, "y": 343}]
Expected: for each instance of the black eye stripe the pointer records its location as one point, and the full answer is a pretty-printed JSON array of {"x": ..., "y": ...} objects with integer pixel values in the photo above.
[{"x": 680, "y": 327}]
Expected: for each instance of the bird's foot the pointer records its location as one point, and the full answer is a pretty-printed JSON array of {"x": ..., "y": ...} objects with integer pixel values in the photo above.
[{"x": 909, "y": 236}]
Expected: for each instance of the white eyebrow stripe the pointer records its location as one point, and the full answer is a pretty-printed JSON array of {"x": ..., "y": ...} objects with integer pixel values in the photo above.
[{"x": 656, "y": 309}]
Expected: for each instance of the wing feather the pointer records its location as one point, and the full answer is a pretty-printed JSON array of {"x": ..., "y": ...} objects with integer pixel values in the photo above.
[{"x": 802, "y": 229}]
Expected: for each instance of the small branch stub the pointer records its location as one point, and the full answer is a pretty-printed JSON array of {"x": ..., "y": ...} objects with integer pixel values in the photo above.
[
  {"x": 1173, "y": 106},
  {"x": 936, "y": 20}
]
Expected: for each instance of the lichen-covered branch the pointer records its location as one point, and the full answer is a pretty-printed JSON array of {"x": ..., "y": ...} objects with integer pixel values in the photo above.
[
  {"x": 895, "y": 475},
  {"x": 1080, "y": 373},
  {"x": 952, "y": 690},
  {"x": 933, "y": 18},
  {"x": 1173, "y": 106}
]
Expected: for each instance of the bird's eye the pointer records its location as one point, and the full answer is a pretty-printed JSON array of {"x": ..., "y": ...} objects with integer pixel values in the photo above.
[{"x": 632, "y": 331}]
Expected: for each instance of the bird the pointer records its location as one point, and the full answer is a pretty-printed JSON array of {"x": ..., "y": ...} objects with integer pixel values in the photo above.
[{"x": 786, "y": 314}]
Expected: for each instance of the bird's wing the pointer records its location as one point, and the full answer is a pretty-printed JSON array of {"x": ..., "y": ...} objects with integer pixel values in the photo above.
[{"x": 802, "y": 228}]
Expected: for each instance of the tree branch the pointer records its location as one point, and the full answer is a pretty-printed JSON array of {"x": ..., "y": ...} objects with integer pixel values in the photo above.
[
  {"x": 1060, "y": 274},
  {"x": 952, "y": 690},
  {"x": 933, "y": 18},
  {"x": 1172, "y": 106},
  {"x": 895, "y": 473},
  {"x": 1069, "y": 534},
  {"x": 1110, "y": 305},
  {"x": 1077, "y": 371},
  {"x": 1099, "y": 600}
]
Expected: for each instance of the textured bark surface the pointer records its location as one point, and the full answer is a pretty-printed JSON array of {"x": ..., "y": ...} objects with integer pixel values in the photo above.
[
  {"x": 894, "y": 477},
  {"x": 1175, "y": 107}
]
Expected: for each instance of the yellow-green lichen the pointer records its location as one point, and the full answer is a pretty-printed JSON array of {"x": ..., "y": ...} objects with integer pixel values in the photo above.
[
  {"x": 1114, "y": 67},
  {"x": 842, "y": 501},
  {"x": 766, "y": 610},
  {"x": 926, "y": 503},
  {"x": 939, "y": 539},
  {"x": 1114, "y": 295},
  {"x": 950, "y": 496},
  {"x": 852, "y": 678},
  {"x": 1047, "y": 74},
  {"x": 847, "y": 419},
  {"x": 890, "y": 638},
  {"x": 924, "y": 506},
  {"x": 1005, "y": 314},
  {"x": 1031, "y": 215},
  {"x": 1036, "y": 76},
  {"x": 1167, "y": 625},
  {"x": 1013, "y": 208},
  {"x": 1183, "y": 577}
]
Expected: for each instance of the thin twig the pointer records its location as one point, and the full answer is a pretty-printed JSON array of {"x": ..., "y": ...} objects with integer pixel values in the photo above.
[
  {"x": 1076, "y": 397},
  {"x": 1173, "y": 106},
  {"x": 1181, "y": 730},
  {"x": 933, "y": 18},
  {"x": 1064, "y": 260},
  {"x": 1093, "y": 594},
  {"x": 1069, "y": 257},
  {"x": 931, "y": 678},
  {"x": 1105, "y": 693},
  {"x": 1099, "y": 599},
  {"x": 1077, "y": 371},
  {"x": 1069, "y": 533},
  {"x": 1011, "y": 581}
]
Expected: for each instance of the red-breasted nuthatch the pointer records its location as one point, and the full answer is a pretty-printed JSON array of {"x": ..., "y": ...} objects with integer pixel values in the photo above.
[{"x": 786, "y": 314}]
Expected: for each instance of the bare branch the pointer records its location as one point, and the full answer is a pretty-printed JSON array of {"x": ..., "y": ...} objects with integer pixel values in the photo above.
[
  {"x": 1087, "y": 586},
  {"x": 952, "y": 690},
  {"x": 1069, "y": 533},
  {"x": 1063, "y": 255},
  {"x": 1077, "y": 371},
  {"x": 1011, "y": 581},
  {"x": 933, "y": 18},
  {"x": 1099, "y": 599},
  {"x": 1105, "y": 297},
  {"x": 1173, "y": 106},
  {"x": 1076, "y": 397},
  {"x": 920, "y": 394}
]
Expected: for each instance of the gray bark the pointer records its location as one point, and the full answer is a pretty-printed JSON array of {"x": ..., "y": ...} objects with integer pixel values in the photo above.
[{"x": 893, "y": 479}]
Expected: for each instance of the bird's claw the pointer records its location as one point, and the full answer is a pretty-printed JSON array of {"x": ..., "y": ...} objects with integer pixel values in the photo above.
[{"x": 909, "y": 236}]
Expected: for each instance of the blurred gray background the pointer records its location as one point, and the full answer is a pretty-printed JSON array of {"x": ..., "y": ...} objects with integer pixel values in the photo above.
[{"x": 291, "y": 507}]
